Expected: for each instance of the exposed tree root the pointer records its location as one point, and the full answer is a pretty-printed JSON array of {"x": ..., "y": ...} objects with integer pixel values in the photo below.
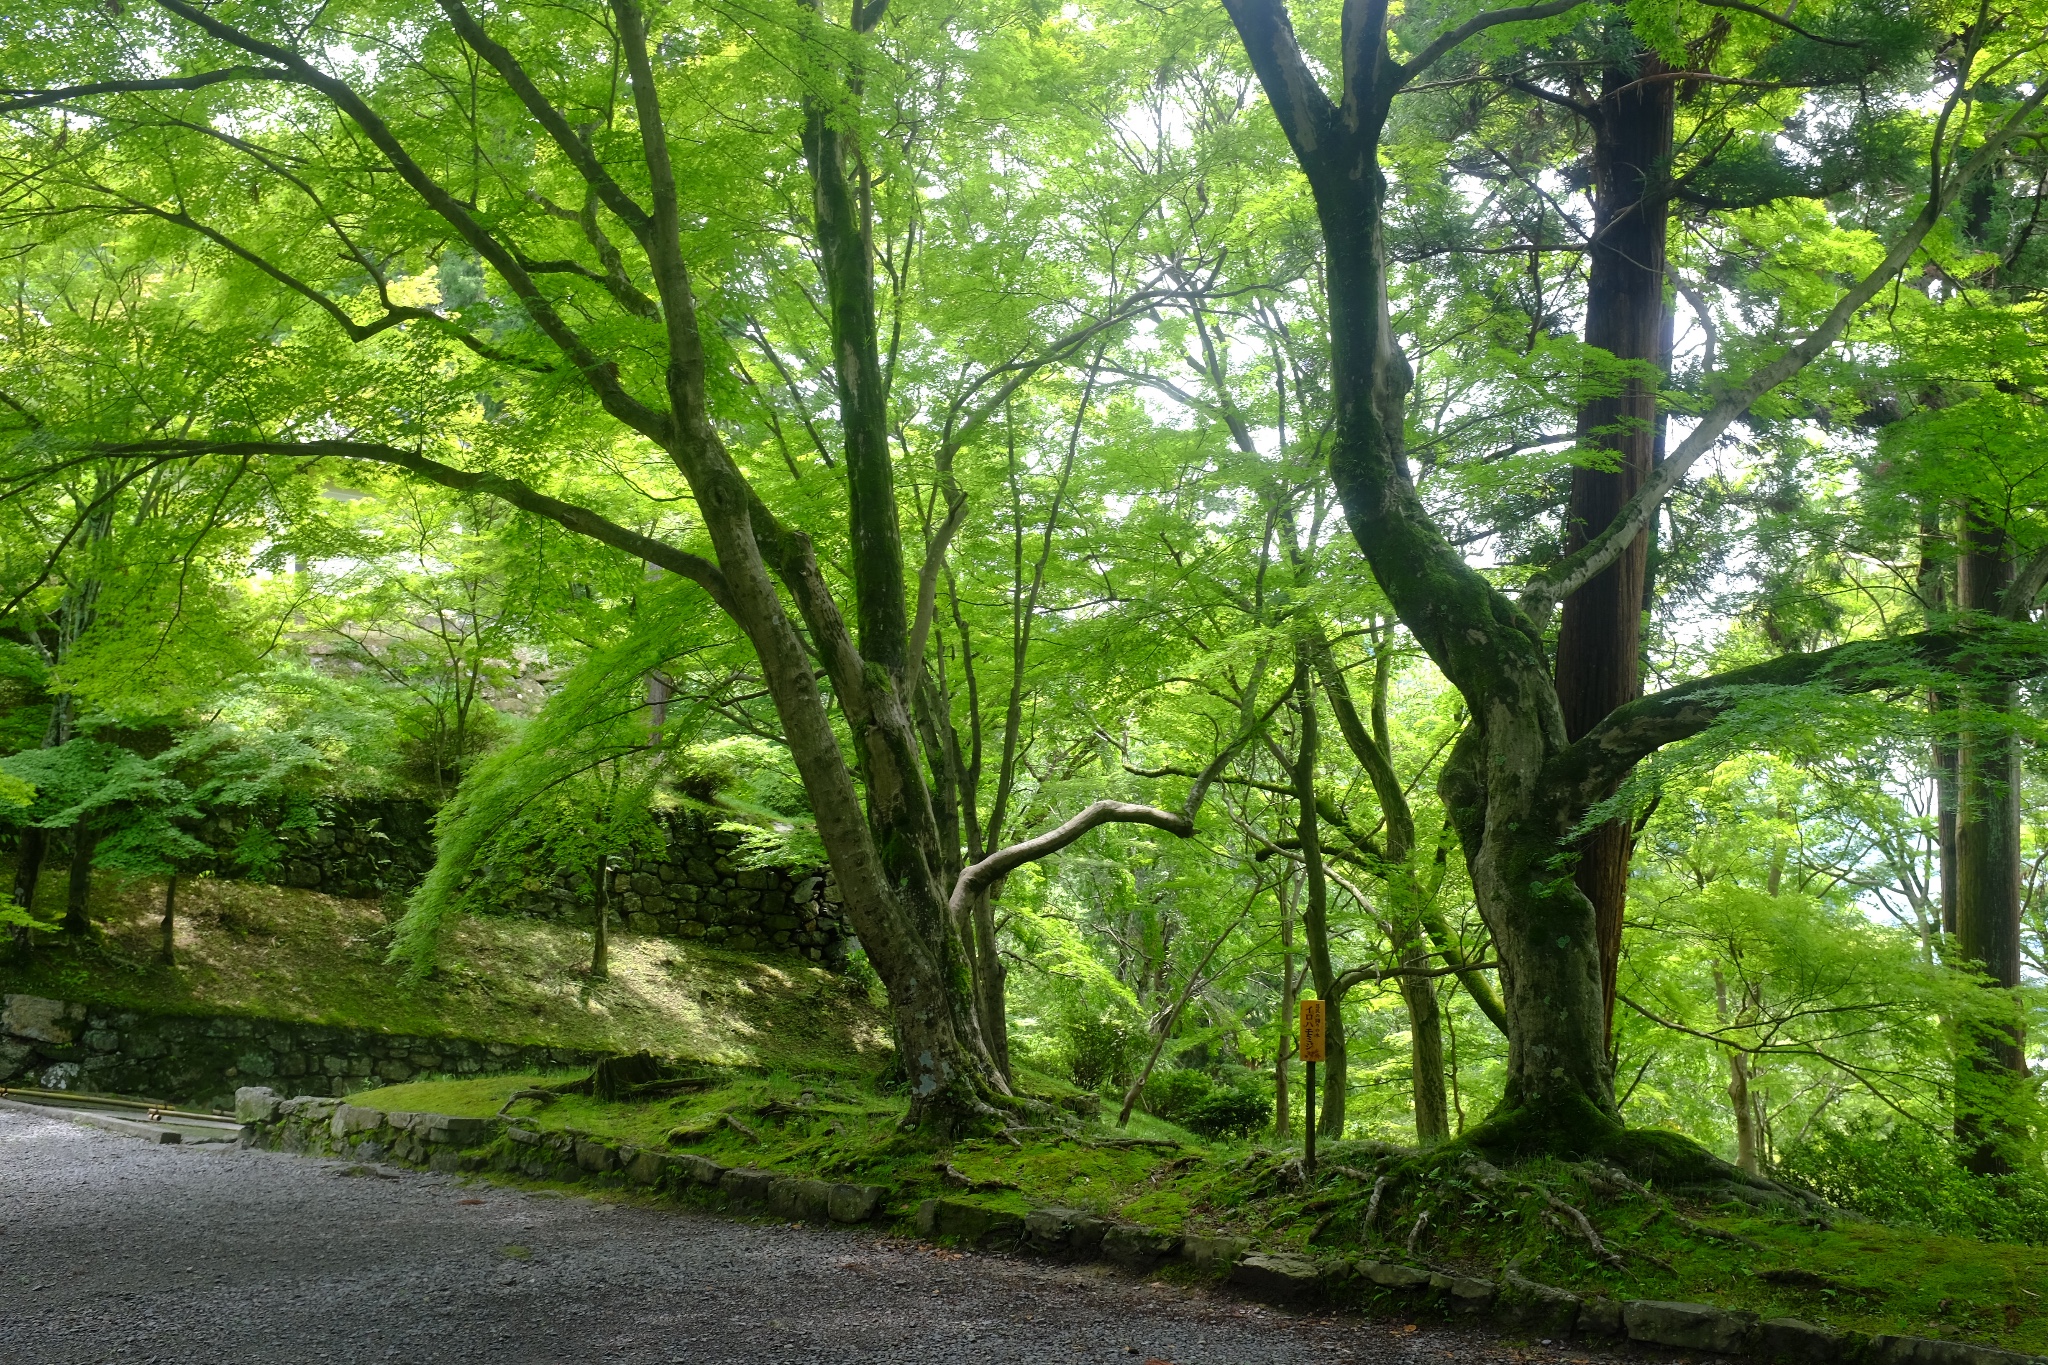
[
  {"x": 1372, "y": 1209},
  {"x": 1585, "y": 1224},
  {"x": 960, "y": 1180}
]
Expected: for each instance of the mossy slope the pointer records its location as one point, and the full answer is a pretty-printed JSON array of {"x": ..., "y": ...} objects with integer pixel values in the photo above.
[{"x": 277, "y": 953}]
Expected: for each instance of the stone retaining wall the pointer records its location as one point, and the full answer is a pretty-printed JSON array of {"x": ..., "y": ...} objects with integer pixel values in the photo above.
[
  {"x": 199, "y": 1060},
  {"x": 696, "y": 890},
  {"x": 362, "y": 848},
  {"x": 334, "y": 1128}
]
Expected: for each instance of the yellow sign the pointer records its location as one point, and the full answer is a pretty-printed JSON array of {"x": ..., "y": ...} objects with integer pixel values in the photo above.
[{"x": 1311, "y": 1030}]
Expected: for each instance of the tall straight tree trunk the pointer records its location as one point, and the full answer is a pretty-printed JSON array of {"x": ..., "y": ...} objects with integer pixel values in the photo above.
[
  {"x": 991, "y": 976},
  {"x": 1283, "y": 1097},
  {"x": 1991, "y": 1057},
  {"x": 1933, "y": 591},
  {"x": 600, "y": 951},
  {"x": 1315, "y": 901},
  {"x": 78, "y": 890},
  {"x": 1599, "y": 639},
  {"x": 28, "y": 870},
  {"x": 167, "y": 928},
  {"x": 1425, "y": 1049}
]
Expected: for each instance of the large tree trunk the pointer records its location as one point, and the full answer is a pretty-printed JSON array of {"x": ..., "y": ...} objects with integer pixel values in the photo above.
[
  {"x": 1991, "y": 1058},
  {"x": 1557, "y": 1092},
  {"x": 1599, "y": 639}
]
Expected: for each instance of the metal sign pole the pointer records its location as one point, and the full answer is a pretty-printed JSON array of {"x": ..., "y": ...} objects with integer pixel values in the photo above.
[{"x": 1308, "y": 1162}]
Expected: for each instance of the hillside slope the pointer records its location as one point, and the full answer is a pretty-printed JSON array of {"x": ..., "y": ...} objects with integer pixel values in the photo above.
[{"x": 278, "y": 953}]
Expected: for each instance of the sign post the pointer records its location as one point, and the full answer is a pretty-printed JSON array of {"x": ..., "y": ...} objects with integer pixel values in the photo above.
[{"x": 1312, "y": 1040}]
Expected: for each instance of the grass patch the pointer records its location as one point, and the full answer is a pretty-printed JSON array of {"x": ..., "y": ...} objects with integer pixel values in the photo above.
[{"x": 279, "y": 953}]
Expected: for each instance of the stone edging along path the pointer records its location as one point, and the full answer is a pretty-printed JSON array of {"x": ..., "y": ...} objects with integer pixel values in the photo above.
[{"x": 329, "y": 1127}]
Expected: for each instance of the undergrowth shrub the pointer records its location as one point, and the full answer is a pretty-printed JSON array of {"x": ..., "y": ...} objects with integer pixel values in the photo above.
[
  {"x": 1230, "y": 1113},
  {"x": 1902, "y": 1174},
  {"x": 1229, "y": 1106},
  {"x": 1098, "y": 1047},
  {"x": 1172, "y": 1095}
]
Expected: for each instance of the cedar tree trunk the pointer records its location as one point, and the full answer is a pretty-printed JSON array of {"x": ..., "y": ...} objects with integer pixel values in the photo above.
[
  {"x": 1990, "y": 1054},
  {"x": 1599, "y": 639}
]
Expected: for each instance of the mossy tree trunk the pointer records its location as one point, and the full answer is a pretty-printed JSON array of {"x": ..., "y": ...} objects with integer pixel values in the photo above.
[{"x": 1516, "y": 783}]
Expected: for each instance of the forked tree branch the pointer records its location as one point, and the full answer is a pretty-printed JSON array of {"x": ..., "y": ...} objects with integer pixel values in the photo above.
[
  {"x": 1181, "y": 823},
  {"x": 602, "y": 375},
  {"x": 1477, "y": 24},
  {"x": 394, "y": 314},
  {"x": 509, "y": 69}
]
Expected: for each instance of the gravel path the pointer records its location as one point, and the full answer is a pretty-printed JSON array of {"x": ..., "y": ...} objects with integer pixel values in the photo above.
[{"x": 113, "y": 1250}]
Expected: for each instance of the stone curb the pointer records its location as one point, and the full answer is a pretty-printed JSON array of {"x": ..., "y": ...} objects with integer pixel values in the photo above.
[{"x": 441, "y": 1142}]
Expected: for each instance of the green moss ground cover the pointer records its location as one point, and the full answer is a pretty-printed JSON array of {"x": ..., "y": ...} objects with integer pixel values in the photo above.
[
  {"x": 278, "y": 953},
  {"x": 1849, "y": 1274}
]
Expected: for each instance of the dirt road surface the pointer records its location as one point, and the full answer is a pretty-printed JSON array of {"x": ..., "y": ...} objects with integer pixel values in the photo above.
[{"x": 114, "y": 1250}]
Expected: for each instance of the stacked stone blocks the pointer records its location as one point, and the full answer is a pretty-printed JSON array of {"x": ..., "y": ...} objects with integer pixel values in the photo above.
[{"x": 199, "y": 1060}]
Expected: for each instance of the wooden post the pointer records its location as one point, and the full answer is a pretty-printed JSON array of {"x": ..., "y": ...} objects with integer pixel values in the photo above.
[{"x": 1312, "y": 1045}]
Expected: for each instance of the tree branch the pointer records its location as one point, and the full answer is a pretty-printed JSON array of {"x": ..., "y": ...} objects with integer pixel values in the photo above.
[
  {"x": 1760, "y": 12},
  {"x": 2020, "y": 594},
  {"x": 1180, "y": 823},
  {"x": 1298, "y": 99},
  {"x": 1478, "y": 23},
  {"x": 600, "y": 374},
  {"x": 1357, "y": 976},
  {"x": 38, "y": 99},
  {"x": 569, "y": 516},
  {"x": 628, "y": 211},
  {"x": 1588, "y": 772},
  {"x": 1002, "y": 862}
]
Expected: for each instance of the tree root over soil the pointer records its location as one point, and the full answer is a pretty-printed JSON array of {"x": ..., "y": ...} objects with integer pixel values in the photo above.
[{"x": 1543, "y": 1198}]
